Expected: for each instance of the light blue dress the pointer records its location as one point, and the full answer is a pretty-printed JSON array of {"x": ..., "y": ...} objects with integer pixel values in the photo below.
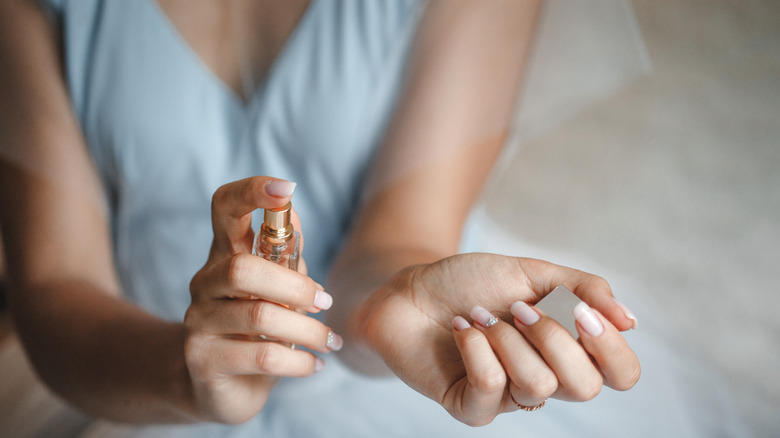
[{"x": 165, "y": 133}]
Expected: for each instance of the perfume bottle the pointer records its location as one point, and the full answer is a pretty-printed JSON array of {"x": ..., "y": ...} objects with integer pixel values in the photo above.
[{"x": 277, "y": 241}]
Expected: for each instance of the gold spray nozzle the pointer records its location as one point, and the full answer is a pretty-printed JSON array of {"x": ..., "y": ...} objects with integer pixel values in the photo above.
[{"x": 277, "y": 221}]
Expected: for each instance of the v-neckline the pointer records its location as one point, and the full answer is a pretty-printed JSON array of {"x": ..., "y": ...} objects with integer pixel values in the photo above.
[{"x": 195, "y": 58}]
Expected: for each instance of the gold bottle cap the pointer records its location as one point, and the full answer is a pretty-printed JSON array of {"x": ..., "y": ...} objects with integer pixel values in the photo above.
[{"x": 276, "y": 221}]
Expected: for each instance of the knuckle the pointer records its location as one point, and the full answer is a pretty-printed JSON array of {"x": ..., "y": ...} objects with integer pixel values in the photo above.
[
  {"x": 258, "y": 313},
  {"x": 542, "y": 386},
  {"x": 491, "y": 381},
  {"x": 471, "y": 417},
  {"x": 538, "y": 265},
  {"x": 238, "y": 270},
  {"x": 218, "y": 196},
  {"x": 599, "y": 283},
  {"x": 476, "y": 420},
  {"x": 546, "y": 386},
  {"x": 588, "y": 388},
  {"x": 592, "y": 392},
  {"x": 196, "y": 284},
  {"x": 195, "y": 355},
  {"x": 265, "y": 359},
  {"x": 192, "y": 316}
]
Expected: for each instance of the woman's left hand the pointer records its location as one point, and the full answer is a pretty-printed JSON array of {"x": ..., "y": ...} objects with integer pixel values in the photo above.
[{"x": 415, "y": 323}]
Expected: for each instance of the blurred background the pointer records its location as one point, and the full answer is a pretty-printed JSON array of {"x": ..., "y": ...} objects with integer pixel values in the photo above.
[{"x": 674, "y": 182}]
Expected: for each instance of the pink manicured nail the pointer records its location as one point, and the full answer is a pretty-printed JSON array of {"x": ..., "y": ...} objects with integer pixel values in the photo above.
[
  {"x": 628, "y": 314},
  {"x": 588, "y": 319},
  {"x": 483, "y": 317},
  {"x": 460, "y": 323},
  {"x": 280, "y": 188},
  {"x": 322, "y": 300},
  {"x": 319, "y": 364},
  {"x": 524, "y": 313},
  {"x": 334, "y": 341}
]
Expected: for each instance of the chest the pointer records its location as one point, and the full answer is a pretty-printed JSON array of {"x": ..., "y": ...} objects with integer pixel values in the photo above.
[
  {"x": 238, "y": 40},
  {"x": 165, "y": 133}
]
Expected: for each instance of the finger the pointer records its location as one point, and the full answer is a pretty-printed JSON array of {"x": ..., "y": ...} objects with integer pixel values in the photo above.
[
  {"x": 618, "y": 363},
  {"x": 233, "y": 203},
  {"x": 579, "y": 378},
  {"x": 596, "y": 291},
  {"x": 483, "y": 388},
  {"x": 529, "y": 373},
  {"x": 259, "y": 317},
  {"x": 237, "y": 357},
  {"x": 248, "y": 276},
  {"x": 302, "y": 268}
]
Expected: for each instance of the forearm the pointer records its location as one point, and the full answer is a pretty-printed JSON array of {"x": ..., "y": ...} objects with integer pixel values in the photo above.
[{"x": 104, "y": 355}]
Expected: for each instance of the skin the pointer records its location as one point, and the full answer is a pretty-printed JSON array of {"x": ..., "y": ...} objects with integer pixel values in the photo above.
[{"x": 395, "y": 293}]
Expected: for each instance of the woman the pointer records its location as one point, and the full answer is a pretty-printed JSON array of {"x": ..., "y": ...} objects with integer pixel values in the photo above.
[{"x": 127, "y": 119}]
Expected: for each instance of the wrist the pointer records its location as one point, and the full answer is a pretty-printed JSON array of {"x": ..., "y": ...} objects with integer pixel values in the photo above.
[
  {"x": 371, "y": 324},
  {"x": 360, "y": 352}
]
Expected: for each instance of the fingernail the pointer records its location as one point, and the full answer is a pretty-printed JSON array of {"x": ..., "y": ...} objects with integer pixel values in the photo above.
[
  {"x": 483, "y": 317},
  {"x": 280, "y": 188},
  {"x": 319, "y": 364},
  {"x": 322, "y": 300},
  {"x": 588, "y": 319},
  {"x": 628, "y": 313},
  {"x": 524, "y": 313},
  {"x": 334, "y": 342},
  {"x": 460, "y": 323}
]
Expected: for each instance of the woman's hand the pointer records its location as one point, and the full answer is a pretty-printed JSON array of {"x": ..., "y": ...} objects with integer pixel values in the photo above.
[
  {"x": 240, "y": 302},
  {"x": 523, "y": 355}
]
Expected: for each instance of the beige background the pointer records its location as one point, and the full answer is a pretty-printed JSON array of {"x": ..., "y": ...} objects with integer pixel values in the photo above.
[{"x": 675, "y": 182}]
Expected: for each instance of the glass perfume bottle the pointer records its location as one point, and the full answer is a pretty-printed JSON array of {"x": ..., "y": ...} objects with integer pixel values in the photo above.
[{"x": 277, "y": 241}]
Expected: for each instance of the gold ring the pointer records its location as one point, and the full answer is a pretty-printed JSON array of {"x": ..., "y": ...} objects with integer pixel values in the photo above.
[{"x": 527, "y": 408}]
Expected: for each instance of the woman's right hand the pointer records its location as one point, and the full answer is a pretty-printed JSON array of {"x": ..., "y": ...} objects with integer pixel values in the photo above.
[{"x": 239, "y": 302}]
